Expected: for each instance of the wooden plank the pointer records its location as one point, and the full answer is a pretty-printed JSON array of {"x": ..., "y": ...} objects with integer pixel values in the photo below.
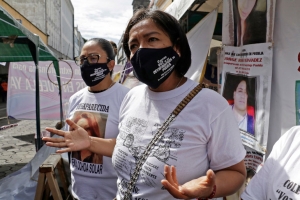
[
  {"x": 63, "y": 176},
  {"x": 53, "y": 186},
  {"x": 50, "y": 163},
  {"x": 40, "y": 187}
]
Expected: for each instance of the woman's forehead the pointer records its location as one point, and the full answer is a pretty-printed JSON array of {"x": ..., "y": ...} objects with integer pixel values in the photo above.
[{"x": 144, "y": 25}]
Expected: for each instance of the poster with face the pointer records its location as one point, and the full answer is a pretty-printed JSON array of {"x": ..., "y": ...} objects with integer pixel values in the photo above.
[
  {"x": 247, "y": 36},
  {"x": 240, "y": 92},
  {"x": 247, "y": 75},
  {"x": 94, "y": 123},
  {"x": 248, "y": 22}
]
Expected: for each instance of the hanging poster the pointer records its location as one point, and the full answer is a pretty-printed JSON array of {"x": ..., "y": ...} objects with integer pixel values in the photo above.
[
  {"x": 247, "y": 74},
  {"x": 247, "y": 22}
]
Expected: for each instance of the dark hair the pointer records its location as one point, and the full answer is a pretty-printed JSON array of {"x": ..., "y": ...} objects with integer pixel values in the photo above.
[
  {"x": 113, "y": 44},
  {"x": 106, "y": 46},
  {"x": 256, "y": 25},
  {"x": 171, "y": 27},
  {"x": 238, "y": 81}
]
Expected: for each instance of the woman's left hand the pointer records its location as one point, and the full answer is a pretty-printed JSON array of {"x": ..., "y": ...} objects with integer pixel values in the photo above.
[{"x": 198, "y": 188}]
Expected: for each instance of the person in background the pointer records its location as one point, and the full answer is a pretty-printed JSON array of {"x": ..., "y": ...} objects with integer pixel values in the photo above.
[
  {"x": 113, "y": 44},
  {"x": 4, "y": 90},
  {"x": 200, "y": 155},
  {"x": 92, "y": 175},
  {"x": 279, "y": 177}
]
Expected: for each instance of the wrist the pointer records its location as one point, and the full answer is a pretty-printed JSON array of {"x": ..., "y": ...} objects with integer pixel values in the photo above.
[
  {"x": 213, "y": 193},
  {"x": 90, "y": 140}
]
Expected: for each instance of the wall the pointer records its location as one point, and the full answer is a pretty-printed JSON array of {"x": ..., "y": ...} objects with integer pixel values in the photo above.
[
  {"x": 67, "y": 29},
  {"x": 25, "y": 22}
]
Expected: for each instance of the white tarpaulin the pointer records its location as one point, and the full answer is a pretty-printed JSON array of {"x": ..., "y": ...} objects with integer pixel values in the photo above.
[
  {"x": 178, "y": 7},
  {"x": 199, "y": 39},
  {"x": 21, "y": 88},
  {"x": 285, "y": 96}
]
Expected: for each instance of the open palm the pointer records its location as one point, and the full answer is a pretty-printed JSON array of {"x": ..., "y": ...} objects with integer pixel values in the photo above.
[{"x": 74, "y": 140}]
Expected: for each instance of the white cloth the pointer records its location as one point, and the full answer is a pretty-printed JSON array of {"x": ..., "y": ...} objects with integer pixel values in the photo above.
[
  {"x": 96, "y": 178},
  {"x": 204, "y": 135},
  {"x": 279, "y": 177}
]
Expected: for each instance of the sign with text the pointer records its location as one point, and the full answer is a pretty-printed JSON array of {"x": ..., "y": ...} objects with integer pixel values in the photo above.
[
  {"x": 247, "y": 75},
  {"x": 21, "y": 88}
]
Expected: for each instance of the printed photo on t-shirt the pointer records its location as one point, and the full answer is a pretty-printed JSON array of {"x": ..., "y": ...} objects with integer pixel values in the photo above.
[{"x": 94, "y": 124}]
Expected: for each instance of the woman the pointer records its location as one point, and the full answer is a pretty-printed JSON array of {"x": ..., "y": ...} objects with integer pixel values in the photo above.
[
  {"x": 250, "y": 23},
  {"x": 95, "y": 108},
  {"x": 203, "y": 142}
]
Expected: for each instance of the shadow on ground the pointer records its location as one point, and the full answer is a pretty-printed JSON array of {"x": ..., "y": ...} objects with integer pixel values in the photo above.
[{"x": 26, "y": 138}]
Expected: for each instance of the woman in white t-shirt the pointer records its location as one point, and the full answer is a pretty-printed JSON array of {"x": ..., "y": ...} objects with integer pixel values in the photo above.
[
  {"x": 95, "y": 108},
  {"x": 200, "y": 155}
]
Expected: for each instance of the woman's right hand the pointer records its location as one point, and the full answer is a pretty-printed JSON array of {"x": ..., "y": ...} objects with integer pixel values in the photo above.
[{"x": 74, "y": 140}]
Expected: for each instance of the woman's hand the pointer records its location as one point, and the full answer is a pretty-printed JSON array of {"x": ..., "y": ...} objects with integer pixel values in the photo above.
[
  {"x": 198, "y": 188},
  {"x": 74, "y": 140}
]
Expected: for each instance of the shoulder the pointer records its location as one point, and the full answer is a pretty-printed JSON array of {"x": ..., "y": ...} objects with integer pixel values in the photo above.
[
  {"x": 212, "y": 100},
  {"x": 78, "y": 94},
  {"x": 121, "y": 87},
  {"x": 290, "y": 138},
  {"x": 136, "y": 91}
]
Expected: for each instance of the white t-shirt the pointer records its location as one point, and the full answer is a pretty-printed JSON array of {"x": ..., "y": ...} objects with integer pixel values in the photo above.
[
  {"x": 93, "y": 176},
  {"x": 279, "y": 178},
  {"x": 204, "y": 135}
]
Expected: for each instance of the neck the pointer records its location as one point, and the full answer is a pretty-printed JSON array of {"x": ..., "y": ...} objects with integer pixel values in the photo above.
[
  {"x": 172, "y": 82},
  {"x": 239, "y": 114},
  {"x": 103, "y": 85},
  {"x": 242, "y": 31}
]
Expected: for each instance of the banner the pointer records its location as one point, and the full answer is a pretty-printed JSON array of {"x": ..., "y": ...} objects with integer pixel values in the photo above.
[
  {"x": 178, "y": 7},
  {"x": 248, "y": 22},
  {"x": 199, "y": 38},
  {"x": 285, "y": 100},
  {"x": 21, "y": 88},
  {"x": 247, "y": 73}
]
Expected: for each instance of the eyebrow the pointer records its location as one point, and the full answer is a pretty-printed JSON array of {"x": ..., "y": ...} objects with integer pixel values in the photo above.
[
  {"x": 144, "y": 36},
  {"x": 89, "y": 54}
]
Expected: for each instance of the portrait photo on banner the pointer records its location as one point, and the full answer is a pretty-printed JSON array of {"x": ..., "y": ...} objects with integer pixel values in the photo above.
[
  {"x": 240, "y": 92},
  {"x": 249, "y": 22}
]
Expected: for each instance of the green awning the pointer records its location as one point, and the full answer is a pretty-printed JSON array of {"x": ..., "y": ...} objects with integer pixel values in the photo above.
[{"x": 19, "y": 44}]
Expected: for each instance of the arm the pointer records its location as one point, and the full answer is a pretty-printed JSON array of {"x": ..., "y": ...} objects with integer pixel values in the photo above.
[
  {"x": 227, "y": 181},
  {"x": 230, "y": 180},
  {"x": 78, "y": 139},
  {"x": 102, "y": 146}
]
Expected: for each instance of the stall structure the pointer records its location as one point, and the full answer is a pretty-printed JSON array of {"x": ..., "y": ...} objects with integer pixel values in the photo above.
[{"x": 19, "y": 44}]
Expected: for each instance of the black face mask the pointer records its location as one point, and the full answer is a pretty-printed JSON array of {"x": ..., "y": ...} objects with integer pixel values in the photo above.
[
  {"x": 154, "y": 66},
  {"x": 92, "y": 74}
]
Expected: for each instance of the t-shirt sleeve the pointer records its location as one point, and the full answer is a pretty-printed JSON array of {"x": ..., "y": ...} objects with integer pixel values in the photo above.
[
  {"x": 258, "y": 186},
  {"x": 225, "y": 145}
]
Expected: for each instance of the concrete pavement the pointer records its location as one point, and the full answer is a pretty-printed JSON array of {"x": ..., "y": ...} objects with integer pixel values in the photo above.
[{"x": 17, "y": 144}]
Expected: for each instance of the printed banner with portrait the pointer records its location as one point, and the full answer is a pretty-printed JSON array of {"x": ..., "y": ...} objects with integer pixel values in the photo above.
[
  {"x": 247, "y": 75},
  {"x": 247, "y": 22}
]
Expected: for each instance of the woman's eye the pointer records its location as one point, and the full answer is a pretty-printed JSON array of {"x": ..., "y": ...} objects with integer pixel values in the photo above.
[
  {"x": 152, "y": 39},
  {"x": 132, "y": 46}
]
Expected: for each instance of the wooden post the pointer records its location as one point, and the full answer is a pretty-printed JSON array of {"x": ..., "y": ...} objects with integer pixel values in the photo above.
[{"x": 47, "y": 181}]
